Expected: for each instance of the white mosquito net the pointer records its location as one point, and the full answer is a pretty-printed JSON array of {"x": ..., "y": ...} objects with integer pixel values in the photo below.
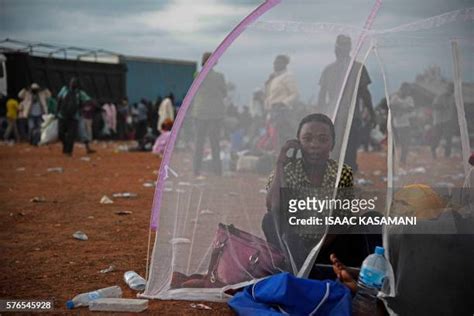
[
  {"x": 397, "y": 89},
  {"x": 426, "y": 68}
]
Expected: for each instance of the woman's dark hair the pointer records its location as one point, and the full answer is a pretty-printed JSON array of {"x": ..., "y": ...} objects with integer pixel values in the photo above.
[{"x": 318, "y": 117}]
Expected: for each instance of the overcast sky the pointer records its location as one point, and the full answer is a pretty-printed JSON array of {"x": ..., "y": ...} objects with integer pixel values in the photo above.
[
  {"x": 162, "y": 28},
  {"x": 183, "y": 29}
]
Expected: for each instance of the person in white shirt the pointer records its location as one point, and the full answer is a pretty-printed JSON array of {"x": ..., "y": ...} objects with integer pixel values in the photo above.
[
  {"x": 402, "y": 107},
  {"x": 281, "y": 88},
  {"x": 33, "y": 106},
  {"x": 165, "y": 111},
  {"x": 281, "y": 94}
]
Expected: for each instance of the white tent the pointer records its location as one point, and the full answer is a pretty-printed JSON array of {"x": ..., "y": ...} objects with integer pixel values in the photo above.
[{"x": 306, "y": 57}]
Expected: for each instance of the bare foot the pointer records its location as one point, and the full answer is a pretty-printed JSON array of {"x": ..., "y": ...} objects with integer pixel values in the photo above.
[{"x": 342, "y": 273}]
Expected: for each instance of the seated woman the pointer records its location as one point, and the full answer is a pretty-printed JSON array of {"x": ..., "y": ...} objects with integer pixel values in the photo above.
[{"x": 311, "y": 175}]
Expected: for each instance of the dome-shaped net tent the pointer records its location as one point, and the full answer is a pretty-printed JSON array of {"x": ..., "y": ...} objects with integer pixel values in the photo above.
[{"x": 231, "y": 206}]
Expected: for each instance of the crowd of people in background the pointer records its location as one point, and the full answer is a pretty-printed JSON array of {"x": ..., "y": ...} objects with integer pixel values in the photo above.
[
  {"x": 267, "y": 121},
  {"x": 261, "y": 125},
  {"x": 82, "y": 118}
]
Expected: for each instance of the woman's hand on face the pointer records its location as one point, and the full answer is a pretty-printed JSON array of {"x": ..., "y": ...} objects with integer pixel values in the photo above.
[{"x": 290, "y": 144}]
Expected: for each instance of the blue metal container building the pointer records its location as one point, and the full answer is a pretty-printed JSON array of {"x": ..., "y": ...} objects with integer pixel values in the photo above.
[{"x": 152, "y": 77}]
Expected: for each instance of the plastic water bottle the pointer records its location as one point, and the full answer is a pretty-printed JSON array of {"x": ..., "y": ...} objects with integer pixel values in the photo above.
[
  {"x": 372, "y": 275},
  {"x": 134, "y": 280},
  {"x": 85, "y": 298}
]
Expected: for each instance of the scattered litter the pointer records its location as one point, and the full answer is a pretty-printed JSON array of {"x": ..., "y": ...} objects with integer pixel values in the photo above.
[
  {"x": 56, "y": 169},
  {"x": 123, "y": 212},
  {"x": 107, "y": 270},
  {"x": 11, "y": 214},
  {"x": 363, "y": 181},
  {"x": 22, "y": 213},
  {"x": 377, "y": 173},
  {"x": 263, "y": 191},
  {"x": 203, "y": 212},
  {"x": 80, "y": 235},
  {"x": 90, "y": 217},
  {"x": 149, "y": 184},
  {"x": 385, "y": 179},
  {"x": 134, "y": 280},
  {"x": 126, "y": 195},
  {"x": 179, "y": 240},
  {"x": 37, "y": 249},
  {"x": 106, "y": 200},
  {"x": 20, "y": 169},
  {"x": 200, "y": 178},
  {"x": 38, "y": 199},
  {"x": 57, "y": 225},
  {"x": 168, "y": 189},
  {"x": 130, "y": 305},
  {"x": 233, "y": 194},
  {"x": 156, "y": 172},
  {"x": 418, "y": 170},
  {"x": 86, "y": 158},
  {"x": 84, "y": 299},
  {"x": 401, "y": 172},
  {"x": 184, "y": 183},
  {"x": 200, "y": 306},
  {"x": 121, "y": 148},
  {"x": 459, "y": 176}
]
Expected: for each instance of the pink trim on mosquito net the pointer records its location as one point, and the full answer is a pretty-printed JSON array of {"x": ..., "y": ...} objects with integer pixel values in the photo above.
[{"x": 154, "y": 221}]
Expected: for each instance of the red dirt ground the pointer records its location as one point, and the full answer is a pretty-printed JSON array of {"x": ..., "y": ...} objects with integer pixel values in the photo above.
[{"x": 39, "y": 257}]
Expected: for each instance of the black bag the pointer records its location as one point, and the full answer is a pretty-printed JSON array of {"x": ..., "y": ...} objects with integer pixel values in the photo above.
[{"x": 69, "y": 105}]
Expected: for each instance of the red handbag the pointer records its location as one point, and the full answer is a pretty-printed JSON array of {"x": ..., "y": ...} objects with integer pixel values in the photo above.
[{"x": 237, "y": 256}]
